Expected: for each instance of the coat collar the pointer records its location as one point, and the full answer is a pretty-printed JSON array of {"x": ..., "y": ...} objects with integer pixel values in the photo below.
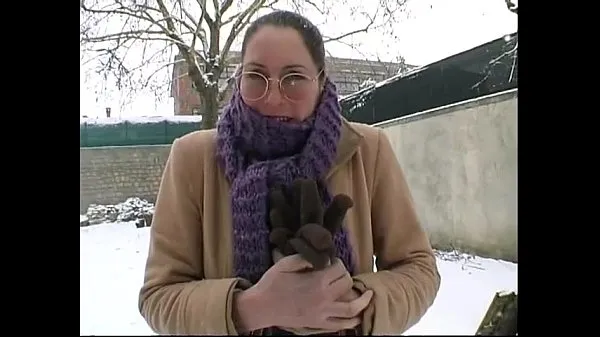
[{"x": 348, "y": 144}]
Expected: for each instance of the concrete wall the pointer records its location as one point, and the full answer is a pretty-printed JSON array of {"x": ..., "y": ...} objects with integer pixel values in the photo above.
[
  {"x": 109, "y": 175},
  {"x": 461, "y": 164}
]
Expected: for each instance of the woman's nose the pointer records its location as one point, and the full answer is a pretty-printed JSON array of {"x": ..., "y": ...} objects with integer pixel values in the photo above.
[{"x": 274, "y": 96}]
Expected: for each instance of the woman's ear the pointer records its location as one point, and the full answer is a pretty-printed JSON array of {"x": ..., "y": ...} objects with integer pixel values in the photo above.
[
  {"x": 322, "y": 77},
  {"x": 321, "y": 87}
]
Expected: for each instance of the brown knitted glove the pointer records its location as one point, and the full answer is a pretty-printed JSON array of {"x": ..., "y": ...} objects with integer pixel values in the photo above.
[
  {"x": 300, "y": 225},
  {"x": 284, "y": 220}
]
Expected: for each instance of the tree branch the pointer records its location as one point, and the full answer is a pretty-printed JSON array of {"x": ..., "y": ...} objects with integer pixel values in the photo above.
[
  {"x": 225, "y": 6},
  {"x": 240, "y": 22},
  {"x": 339, "y": 37},
  {"x": 512, "y": 6},
  {"x": 129, "y": 35},
  {"x": 217, "y": 12},
  {"x": 207, "y": 18},
  {"x": 189, "y": 56},
  {"x": 199, "y": 33}
]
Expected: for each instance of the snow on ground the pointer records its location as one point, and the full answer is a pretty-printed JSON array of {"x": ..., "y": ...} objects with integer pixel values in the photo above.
[
  {"x": 466, "y": 291},
  {"x": 112, "y": 259}
]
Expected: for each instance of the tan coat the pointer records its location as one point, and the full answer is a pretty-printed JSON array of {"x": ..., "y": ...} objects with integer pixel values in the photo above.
[{"x": 188, "y": 281}]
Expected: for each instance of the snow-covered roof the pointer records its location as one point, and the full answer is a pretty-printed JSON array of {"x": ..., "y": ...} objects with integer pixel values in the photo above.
[{"x": 141, "y": 120}]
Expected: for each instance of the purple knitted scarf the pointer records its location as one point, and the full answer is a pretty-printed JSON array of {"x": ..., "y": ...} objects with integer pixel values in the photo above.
[{"x": 258, "y": 152}]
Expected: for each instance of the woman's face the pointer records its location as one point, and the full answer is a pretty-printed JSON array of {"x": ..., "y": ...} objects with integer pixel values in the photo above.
[{"x": 275, "y": 52}]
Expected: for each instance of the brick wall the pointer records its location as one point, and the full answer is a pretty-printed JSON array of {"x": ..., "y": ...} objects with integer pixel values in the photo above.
[
  {"x": 109, "y": 175},
  {"x": 186, "y": 98}
]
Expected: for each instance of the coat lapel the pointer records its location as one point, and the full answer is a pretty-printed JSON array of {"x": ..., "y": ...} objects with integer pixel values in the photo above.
[{"x": 348, "y": 144}]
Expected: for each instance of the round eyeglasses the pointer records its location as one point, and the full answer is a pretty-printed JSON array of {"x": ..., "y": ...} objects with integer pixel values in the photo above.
[{"x": 294, "y": 87}]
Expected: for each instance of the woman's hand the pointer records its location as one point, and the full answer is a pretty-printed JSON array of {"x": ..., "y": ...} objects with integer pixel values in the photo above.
[
  {"x": 292, "y": 297},
  {"x": 276, "y": 255},
  {"x": 350, "y": 296}
]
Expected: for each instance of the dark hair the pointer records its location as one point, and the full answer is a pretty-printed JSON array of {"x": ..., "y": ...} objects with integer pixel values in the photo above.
[{"x": 310, "y": 33}]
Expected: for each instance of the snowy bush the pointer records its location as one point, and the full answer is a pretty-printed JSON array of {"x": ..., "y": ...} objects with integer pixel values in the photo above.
[{"x": 132, "y": 209}]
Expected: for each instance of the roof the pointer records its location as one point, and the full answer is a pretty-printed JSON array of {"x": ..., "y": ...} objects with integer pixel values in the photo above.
[{"x": 482, "y": 70}]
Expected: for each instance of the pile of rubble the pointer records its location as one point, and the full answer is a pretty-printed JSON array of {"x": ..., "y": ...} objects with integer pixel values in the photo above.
[{"x": 132, "y": 209}]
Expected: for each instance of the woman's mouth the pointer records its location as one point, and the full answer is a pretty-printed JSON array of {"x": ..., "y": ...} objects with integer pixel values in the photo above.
[{"x": 281, "y": 118}]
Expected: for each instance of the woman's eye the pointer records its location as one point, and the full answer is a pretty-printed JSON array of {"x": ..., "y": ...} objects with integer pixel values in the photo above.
[
  {"x": 254, "y": 76},
  {"x": 295, "y": 79}
]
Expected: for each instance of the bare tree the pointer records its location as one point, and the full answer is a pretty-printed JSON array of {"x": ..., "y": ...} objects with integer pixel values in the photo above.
[
  {"x": 133, "y": 42},
  {"x": 506, "y": 61},
  {"x": 513, "y": 7}
]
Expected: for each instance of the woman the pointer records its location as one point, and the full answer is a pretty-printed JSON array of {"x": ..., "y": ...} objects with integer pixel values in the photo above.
[{"x": 210, "y": 268}]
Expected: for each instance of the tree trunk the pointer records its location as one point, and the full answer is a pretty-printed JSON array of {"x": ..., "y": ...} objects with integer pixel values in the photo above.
[
  {"x": 209, "y": 107},
  {"x": 501, "y": 317}
]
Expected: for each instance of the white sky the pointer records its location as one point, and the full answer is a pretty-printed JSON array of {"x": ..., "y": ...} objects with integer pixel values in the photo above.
[{"x": 433, "y": 30}]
